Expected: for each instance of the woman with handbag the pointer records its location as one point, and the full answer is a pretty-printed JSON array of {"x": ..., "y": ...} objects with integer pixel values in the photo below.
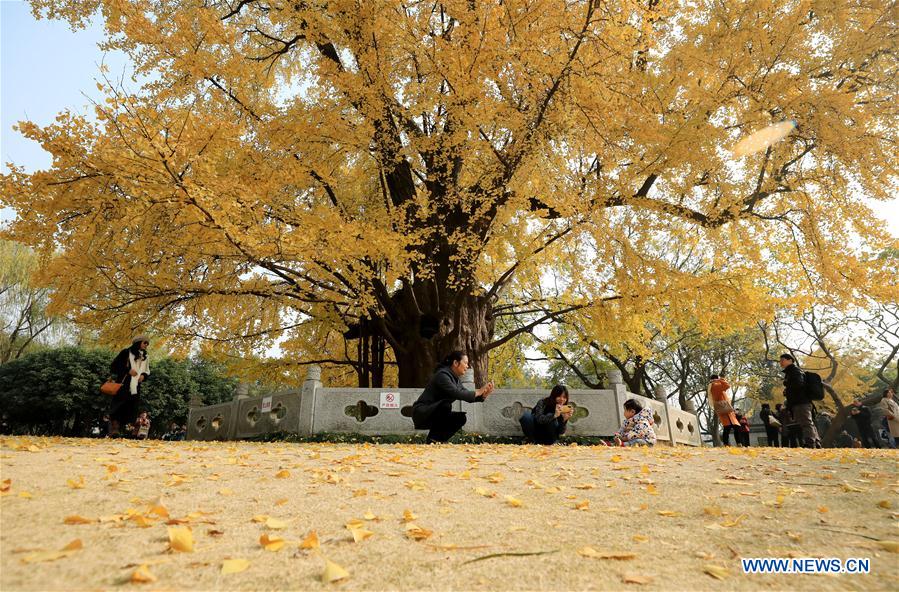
[
  {"x": 130, "y": 368},
  {"x": 721, "y": 403}
]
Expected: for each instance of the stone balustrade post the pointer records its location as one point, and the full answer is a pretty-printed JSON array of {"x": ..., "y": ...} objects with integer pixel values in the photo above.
[{"x": 312, "y": 387}]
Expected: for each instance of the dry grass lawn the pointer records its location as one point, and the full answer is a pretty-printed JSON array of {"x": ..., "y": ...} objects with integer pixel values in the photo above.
[{"x": 606, "y": 519}]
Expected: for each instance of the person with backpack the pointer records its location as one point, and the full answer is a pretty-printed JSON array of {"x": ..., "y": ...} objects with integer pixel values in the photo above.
[{"x": 799, "y": 399}]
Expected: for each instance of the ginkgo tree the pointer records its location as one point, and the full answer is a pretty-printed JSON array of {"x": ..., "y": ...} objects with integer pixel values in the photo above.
[{"x": 427, "y": 168}]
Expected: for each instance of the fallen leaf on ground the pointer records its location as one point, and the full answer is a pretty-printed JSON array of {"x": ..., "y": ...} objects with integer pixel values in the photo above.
[
  {"x": 668, "y": 513},
  {"x": 484, "y": 492},
  {"x": 408, "y": 516},
  {"x": 584, "y": 505},
  {"x": 76, "y": 519},
  {"x": 76, "y": 483},
  {"x": 142, "y": 575},
  {"x": 886, "y": 504},
  {"x": 360, "y": 534},
  {"x": 415, "y": 532},
  {"x": 230, "y": 566},
  {"x": 369, "y": 515},
  {"x": 271, "y": 543},
  {"x": 635, "y": 579},
  {"x": 333, "y": 572},
  {"x": 181, "y": 539},
  {"x": 716, "y": 571},
  {"x": 735, "y": 522},
  {"x": 891, "y": 546},
  {"x": 640, "y": 538},
  {"x": 514, "y": 502},
  {"x": 281, "y": 501},
  {"x": 159, "y": 510},
  {"x": 41, "y": 556},
  {"x": 282, "y": 474},
  {"x": 260, "y": 518},
  {"x": 594, "y": 554},
  {"x": 226, "y": 491},
  {"x": 275, "y": 524},
  {"x": 310, "y": 542}
]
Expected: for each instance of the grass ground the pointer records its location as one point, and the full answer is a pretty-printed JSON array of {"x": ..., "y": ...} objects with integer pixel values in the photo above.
[{"x": 454, "y": 517}]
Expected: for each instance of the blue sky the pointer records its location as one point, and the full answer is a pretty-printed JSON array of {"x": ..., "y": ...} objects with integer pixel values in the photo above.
[{"x": 46, "y": 68}]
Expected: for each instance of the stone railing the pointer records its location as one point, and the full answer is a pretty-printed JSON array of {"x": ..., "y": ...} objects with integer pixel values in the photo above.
[{"x": 314, "y": 409}]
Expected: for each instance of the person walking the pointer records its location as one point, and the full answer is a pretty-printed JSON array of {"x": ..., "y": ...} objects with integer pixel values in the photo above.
[
  {"x": 798, "y": 401},
  {"x": 721, "y": 403},
  {"x": 433, "y": 410},
  {"x": 861, "y": 414},
  {"x": 547, "y": 421},
  {"x": 130, "y": 368},
  {"x": 771, "y": 423},
  {"x": 891, "y": 415}
]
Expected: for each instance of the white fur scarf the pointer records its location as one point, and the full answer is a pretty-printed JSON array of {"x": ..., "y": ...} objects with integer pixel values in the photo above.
[{"x": 142, "y": 366}]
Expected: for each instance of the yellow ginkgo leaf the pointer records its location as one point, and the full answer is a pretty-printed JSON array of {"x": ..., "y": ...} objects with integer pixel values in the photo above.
[
  {"x": 636, "y": 579},
  {"x": 271, "y": 543},
  {"x": 260, "y": 518},
  {"x": 369, "y": 515},
  {"x": 355, "y": 523},
  {"x": 310, "y": 542},
  {"x": 142, "y": 575},
  {"x": 282, "y": 474},
  {"x": 668, "y": 513},
  {"x": 281, "y": 501},
  {"x": 886, "y": 504},
  {"x": 76, "y": 483},
  {"x": 594, "y": 554},
  {"x": 891, "y": 546},
  {"x": 275, "y": 524},
  {"x": 639, "y": 538},
  {"x": 41, "y": 556},
  {"x": 583, "y": 505},
  {"x": 76, "y": 519},
  {"x": 333, "y": 572},
  {"x": 230, "y": 566},
  {"x": 408, "y": 516},
  {"x": 226, "y": 491},
  {"x": 415, "y": 532},
  {"x": 514, "y": 502},
  {"x": 159, "y": 510},
  {"x": 181, "y": 539},
  {"x": 360, "y": 534},
  {"x": 716, "y": 571},
  {"x": 484, "y": 492}
]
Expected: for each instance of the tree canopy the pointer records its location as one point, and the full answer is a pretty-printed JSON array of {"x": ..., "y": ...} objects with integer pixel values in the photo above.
[{"x": 435, "y": 171}]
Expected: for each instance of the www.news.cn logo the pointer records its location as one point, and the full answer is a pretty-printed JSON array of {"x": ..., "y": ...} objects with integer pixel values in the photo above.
[{"x": 806, "y": 565}]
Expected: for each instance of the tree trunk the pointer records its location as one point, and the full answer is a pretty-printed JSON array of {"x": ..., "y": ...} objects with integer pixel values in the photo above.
[{"x": 462, "y": 322}]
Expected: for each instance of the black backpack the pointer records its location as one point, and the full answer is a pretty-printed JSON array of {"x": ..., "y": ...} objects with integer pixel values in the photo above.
[{"x": 814, "y": 386}]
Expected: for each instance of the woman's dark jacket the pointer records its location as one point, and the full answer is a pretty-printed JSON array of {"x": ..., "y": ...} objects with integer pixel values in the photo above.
[
  {"x": 444, "y": 388},
  {"x": 545, "y": 415},
  {"x": 120, "y": 368}
]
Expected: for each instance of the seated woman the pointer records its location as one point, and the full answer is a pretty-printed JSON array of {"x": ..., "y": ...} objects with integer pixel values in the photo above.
[
  {"x": 549, "y": 417},
  {"x": 637, "y": 427}
]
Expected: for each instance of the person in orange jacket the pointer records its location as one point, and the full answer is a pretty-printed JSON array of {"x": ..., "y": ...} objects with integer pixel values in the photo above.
[{"x": 721, "y": 403}]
